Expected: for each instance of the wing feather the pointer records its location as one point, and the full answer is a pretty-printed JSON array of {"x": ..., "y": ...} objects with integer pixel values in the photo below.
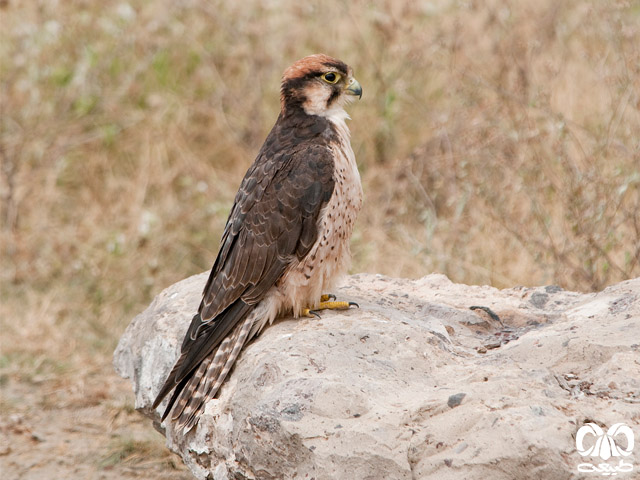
[{"x": 274, "y": 220}]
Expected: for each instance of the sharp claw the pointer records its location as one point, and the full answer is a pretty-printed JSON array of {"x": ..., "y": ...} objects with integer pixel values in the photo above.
[
  {"x": 315, "y": 313},
  {"x": 354, "y": 304}
]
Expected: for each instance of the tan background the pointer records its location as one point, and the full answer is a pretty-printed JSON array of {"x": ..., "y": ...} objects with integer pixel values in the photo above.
[{"x": 498, "y": 142}]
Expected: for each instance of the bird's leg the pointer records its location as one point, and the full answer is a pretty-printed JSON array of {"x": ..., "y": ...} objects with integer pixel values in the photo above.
[{"x": 328, "y": 302}]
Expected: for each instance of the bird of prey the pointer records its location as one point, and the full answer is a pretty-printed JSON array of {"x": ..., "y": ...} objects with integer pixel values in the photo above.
[{"x": 286, "y": 240}]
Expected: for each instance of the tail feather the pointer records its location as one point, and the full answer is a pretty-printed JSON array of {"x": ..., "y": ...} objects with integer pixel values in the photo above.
[
  {"x": 202, "y": 339},
  {"x": 195, "y": 389},
  {"x": 208, "y": 379},
  {"x": 172, "y": 379}
]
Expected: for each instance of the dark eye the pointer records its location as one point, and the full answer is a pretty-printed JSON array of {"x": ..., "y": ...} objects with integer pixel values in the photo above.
[{"x": 331, "y": 77}]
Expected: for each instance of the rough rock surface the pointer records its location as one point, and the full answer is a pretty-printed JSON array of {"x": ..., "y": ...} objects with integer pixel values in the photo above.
[{"x": 413, "y": 385}]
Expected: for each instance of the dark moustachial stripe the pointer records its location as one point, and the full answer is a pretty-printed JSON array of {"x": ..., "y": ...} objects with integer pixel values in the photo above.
[{"x": 334, "y": 95}]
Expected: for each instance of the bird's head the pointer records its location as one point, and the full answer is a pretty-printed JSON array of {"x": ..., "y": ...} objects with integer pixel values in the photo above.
[{"x": 319, "y": 85}]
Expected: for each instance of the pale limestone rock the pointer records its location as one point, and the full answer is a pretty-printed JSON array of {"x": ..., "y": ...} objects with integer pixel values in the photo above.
[{"x": 413, "y": 385}]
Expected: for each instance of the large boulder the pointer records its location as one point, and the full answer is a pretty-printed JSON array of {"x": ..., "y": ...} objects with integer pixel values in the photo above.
[{"x": 417, "y": 383}]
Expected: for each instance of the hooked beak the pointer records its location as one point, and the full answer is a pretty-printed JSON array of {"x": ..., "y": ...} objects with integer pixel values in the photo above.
[{"x": 353, "y": 88}]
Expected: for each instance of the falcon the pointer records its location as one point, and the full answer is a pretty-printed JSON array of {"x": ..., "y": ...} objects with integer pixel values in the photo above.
[{"x": 286, "y": 240}]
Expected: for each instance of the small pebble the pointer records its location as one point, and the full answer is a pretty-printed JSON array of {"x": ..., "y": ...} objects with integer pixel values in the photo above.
[{"x": 455, "y": 400}]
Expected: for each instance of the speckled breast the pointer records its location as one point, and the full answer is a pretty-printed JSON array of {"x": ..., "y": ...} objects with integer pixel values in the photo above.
[{"x": 330, "y": 257}]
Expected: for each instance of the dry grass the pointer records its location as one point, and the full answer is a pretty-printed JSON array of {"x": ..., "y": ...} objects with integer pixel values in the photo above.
[{"x": 499, "y": 142}]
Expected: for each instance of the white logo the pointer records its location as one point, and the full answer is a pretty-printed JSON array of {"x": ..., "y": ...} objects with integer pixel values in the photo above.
[{"x": 605, "y": 447}]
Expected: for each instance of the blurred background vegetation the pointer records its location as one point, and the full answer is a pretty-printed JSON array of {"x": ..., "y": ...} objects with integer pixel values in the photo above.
[{"x": 498, "y": 142}]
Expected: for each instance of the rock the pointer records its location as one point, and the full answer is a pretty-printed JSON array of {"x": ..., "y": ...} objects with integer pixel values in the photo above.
[
  {"x": 413, "y": 384},
  {"x": 455, "y": 400}
]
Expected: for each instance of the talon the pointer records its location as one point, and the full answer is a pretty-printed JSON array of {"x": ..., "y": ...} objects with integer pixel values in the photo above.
[
  {"x": 328, "y": 302},
  {"x": 310, "y": 313}
]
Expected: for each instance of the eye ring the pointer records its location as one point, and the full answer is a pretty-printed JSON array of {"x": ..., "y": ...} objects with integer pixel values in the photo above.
[{"x": 331, "y": 77}]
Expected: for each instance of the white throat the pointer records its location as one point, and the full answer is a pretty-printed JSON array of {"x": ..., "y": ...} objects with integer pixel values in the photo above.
[{"x": 339, "y": 118}]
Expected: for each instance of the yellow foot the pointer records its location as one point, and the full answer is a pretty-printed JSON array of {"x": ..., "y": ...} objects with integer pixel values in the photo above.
[{"x": 327, "y": 302}]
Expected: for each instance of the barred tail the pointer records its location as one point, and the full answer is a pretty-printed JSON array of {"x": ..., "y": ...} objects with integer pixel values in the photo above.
[{"x": 208, "y": 378}]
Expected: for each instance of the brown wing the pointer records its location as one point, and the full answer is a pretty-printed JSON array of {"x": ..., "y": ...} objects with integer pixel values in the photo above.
[{"x": 273, "y": 221}]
